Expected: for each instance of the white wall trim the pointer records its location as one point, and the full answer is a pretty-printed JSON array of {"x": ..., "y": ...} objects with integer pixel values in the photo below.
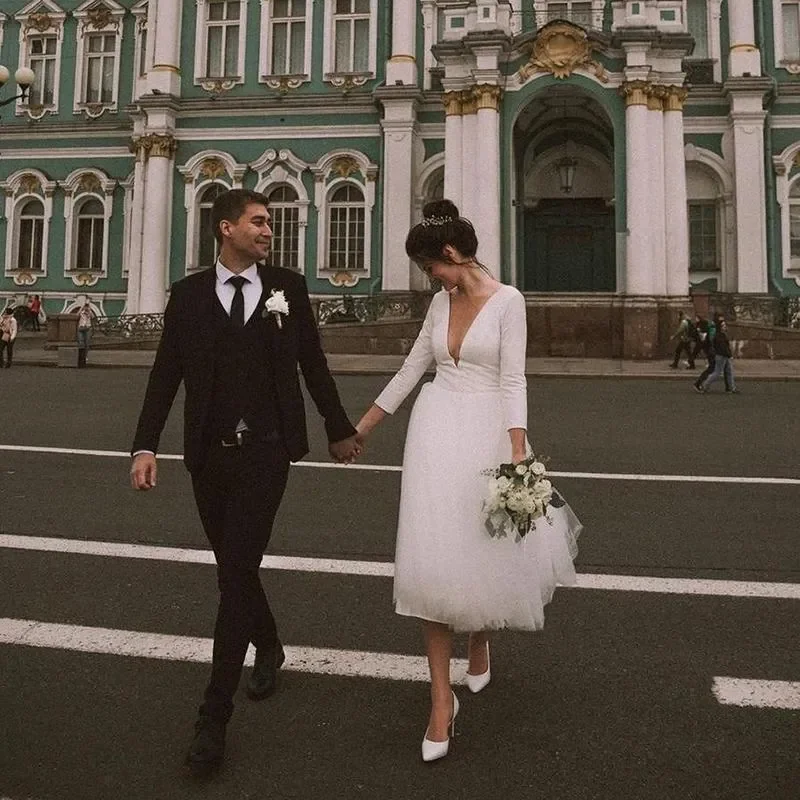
[
  {"x": 265, "y": 50},
  {"x": 783, "y": 164},
  {"x": 329, "y": 49},
  {"x": 201, "y": 45},
  {"x": 781, "y": 60}
]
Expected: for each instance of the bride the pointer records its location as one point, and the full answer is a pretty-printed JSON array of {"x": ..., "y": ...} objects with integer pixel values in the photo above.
[{"x": 448, "y": 571}]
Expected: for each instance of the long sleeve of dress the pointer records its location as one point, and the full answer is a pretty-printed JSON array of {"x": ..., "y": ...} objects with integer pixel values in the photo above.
[
  {"x": 417, "y": 361},
  {"x": 513, "y": 341}
]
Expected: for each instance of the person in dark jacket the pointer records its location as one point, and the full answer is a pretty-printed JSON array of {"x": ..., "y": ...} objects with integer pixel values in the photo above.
[{"x": 723, "y": 358}]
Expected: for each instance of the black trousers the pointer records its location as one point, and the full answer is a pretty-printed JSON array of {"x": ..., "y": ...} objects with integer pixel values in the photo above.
[
  {"x": 683, "y": 346},
  {"x": 6, "y": 347},
  {"x": 238, "y": 492}
]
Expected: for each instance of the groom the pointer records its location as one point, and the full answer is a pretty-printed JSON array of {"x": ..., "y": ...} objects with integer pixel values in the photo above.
[{"x": 236, "y": 345}]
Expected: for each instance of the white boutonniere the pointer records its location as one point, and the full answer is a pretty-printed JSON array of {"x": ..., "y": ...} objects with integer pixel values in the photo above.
[{"x": 276, "y": 305}]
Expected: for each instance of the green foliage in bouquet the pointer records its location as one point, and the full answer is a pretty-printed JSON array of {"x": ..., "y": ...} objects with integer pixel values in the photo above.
[{"x": 518, "y": 495}]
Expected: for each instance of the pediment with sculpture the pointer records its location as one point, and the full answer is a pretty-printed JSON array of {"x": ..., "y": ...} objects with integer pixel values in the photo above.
[{"x": 560, "y": 49}]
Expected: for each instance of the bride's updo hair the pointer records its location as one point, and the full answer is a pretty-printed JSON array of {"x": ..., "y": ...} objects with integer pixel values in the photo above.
[{"x": 441, "y": 225}]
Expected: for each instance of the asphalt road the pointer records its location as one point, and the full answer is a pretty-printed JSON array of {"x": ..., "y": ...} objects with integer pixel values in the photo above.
[{"x": 612, "y": 700}]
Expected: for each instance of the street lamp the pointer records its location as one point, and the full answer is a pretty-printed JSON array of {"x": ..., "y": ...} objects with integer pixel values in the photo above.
[
  {"x": 24, "y": 77},
  {"x": 566, "y": 172}
]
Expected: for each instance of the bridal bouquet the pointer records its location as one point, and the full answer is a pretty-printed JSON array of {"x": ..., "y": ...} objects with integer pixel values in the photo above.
[{"x": 519, "y": 494}]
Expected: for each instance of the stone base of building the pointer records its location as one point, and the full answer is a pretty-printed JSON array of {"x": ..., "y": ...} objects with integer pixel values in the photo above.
[{"x": 592, "y": 326}]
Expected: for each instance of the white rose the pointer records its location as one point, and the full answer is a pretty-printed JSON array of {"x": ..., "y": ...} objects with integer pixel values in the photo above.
[
  {"x": 520, "y": 469},
  {"x": 503, "y": 483},
  {"x": 537, "y": 468}
]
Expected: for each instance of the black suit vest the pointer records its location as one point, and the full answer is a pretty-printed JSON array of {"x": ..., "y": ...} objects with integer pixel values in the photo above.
[{"x": 244, "y": 381}]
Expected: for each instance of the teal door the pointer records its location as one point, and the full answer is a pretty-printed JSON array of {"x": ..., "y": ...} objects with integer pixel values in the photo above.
[{"x": 569, "y": 247}]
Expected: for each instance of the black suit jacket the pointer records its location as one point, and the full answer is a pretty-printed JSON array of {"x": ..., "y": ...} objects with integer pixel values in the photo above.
[{"x": 187, "y": 350}]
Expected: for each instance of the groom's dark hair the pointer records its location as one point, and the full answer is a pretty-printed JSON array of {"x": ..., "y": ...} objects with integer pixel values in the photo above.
[{"x": 230, "y": 206}]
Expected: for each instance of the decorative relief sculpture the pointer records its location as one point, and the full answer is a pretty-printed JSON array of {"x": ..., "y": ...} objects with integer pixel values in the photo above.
[
  {"x": 560, "y": 49},
  {"x": 100, "y": 17},
  {"x": 345, "y": 166},
  {"x": 40, "y": 21},
  {"x": 213, "y": 168}
]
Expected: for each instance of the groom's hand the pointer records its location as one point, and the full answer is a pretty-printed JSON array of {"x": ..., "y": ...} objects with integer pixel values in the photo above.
[
  {"x": 346, "y": 451},
  {"x": 143, "y": 472}
]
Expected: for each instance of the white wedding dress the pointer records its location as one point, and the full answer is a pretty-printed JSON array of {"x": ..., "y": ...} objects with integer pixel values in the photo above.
[{"x": 447, "y": 567}]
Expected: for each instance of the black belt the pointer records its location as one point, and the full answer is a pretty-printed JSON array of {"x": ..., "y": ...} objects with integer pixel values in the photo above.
[{"x": 243, "y": 438}]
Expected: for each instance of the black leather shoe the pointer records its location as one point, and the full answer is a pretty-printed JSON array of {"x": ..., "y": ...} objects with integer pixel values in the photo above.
[
  {"x": 264, "y": 677},
  {"x": 208, "y": 746}
]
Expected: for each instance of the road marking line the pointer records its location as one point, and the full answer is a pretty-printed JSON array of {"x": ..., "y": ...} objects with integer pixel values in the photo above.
[
  {"x": 600, "y": 476},
  {"x": 385, "y": 569},
  {"x": 136, "y": 644},
  {"x": 757, "y": 694}
]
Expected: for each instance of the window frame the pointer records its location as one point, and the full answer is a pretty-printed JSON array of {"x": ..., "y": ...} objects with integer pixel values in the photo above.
[
  {"x": 329, "y": 47},
  {"x": 266, "y": 75},
  {"x": 294, "y": 205},
  {"x": 201, "y": 170},
  {"x": 19, "y": 188},
  {"x": 202, "y": 28},
  {"x": 32, "y": 26},
  {"x": 21, "y": 205},
  {"x": 713, "y": 205},
  {"x": 79, "y": 187},
  {"x": 142, "y": 47},
  {"x": 89, "y": 26}
]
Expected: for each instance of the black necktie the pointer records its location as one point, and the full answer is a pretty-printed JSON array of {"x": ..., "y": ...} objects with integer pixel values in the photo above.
[{"x": 237, "y": 306}]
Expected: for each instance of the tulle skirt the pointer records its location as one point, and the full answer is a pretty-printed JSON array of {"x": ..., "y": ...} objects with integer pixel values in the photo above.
[{"x": 448, "y": 568}]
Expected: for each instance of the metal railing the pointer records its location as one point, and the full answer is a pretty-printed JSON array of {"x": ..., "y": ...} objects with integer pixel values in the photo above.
[
  {"x": 371, "y": 308},
  {"x": 130, "y": 326}
]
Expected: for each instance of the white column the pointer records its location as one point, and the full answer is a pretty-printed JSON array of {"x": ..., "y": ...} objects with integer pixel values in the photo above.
[
  {"x": 398, "y": 183},
  {"x": 453, "y": 136},
  {"x": 677, "y": 216},
  {"x": 137, "y": 219},
  {"x": 747, "y": 117},
  {"x": 638, "y": 277},
  {"x": 166, "y": 74},
  {"x": 157, "y": 210},
  {"x": 655, "y": 159},
  {"x": 402, "y": 66},
  {"x": 745, "y": 58},
  {"x": 469, "y": 153},
  {"x": 487, "y": 169}
]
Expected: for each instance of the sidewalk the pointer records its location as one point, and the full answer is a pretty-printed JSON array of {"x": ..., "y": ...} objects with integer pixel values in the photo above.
[{"x": 29, "y": 351}]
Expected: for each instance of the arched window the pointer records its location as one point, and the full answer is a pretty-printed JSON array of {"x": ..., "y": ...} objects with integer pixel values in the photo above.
[
  {"x": 346, "y": 229},
  {"x": 209, "y": 249},
  {"x": 31, "y": 236},
  {"x": 285, "y": 225},
  {"x": 794, "y": 225},
  {"x": 90, "y": 235},
  {"x": 436, "y": 186}
]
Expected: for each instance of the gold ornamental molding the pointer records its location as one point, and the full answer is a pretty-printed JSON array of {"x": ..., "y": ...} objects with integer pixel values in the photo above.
[
  {"x": 675, "y": 97},
  {"x": 213, "y": 168},
  {"x": 469, "y": 102},
  {"x": 155, "y": 145},
  {"x": 452, "y": 104},
  {"x": 487, "y": 96},
  {"x": 89, "y": 184},
  {"x": 635, "y": 92},
  {"x": 40, "y": 21},
  {"x": 345, "y": 166},
  {"x": 403, "y": 59},
  {"x": 100, "y": 17},
  {"x": 560, "y": 49},
  {"x": 29, "y": 184},
  {"x": 655, "y": 98},
  {"x": 24, "y": 278}
]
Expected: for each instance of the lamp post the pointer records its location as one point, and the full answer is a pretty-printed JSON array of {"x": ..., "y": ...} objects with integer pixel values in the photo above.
[
  {"x": 24, "y": 77},
  {"x": 566, "y": 173}
]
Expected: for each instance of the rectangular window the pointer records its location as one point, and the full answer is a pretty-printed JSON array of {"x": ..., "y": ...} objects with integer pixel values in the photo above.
[
  {"x": 697, "y": 15},
  {"x": 90, "y": 244},
  {"x": 285, "y": 236},
  {"x": 222, "y": 38},
  {"x": 31, "y": 239},
  {"x": 703, "y": 245},
  {"x": 351, "y": 36},
  {"x": 347, "y": 238},
  {"x": 579, "y": 13},
  {"x": 42, "y": 53},
  {"x": 794, "y": 234},
  {"x": 100, "y": 62},
  {"x": 142, "y": 60},
  {"x": 791, "y": 31},
  {"x": 288, "y": 37}
]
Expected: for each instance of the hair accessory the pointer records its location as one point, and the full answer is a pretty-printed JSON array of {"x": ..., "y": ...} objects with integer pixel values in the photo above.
[{"x": 430, "y": 222}]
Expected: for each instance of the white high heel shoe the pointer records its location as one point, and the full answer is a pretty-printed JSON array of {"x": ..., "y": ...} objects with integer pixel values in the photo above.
[
  {"x": 432, "y": 751},
  {"x": 478, "y": 682}
]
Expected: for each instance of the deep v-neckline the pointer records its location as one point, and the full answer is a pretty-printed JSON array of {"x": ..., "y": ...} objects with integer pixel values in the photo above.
[{"x": 457, "y": 361}]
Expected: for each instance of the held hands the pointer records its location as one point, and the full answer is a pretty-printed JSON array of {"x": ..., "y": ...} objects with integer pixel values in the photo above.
[
  {"x": 143, "y": 472},
  {"x": 346, "y": 451}
]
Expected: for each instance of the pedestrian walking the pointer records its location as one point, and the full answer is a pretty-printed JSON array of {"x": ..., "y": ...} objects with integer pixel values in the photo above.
[
  {"x": 723, "y": 360},
  {"x": 8, "y": 334},
  {"x": 700, "y": 336},
  {"x": 84, "y": 334},
  {"x": 685, "y": 334},
  {"x": 235, "y": 335}
]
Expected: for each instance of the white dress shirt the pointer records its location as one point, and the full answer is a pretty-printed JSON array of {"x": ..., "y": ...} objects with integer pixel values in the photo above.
[{"x": 251, "y": 289}]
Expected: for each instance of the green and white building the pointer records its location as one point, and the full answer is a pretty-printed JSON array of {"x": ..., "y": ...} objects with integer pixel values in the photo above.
[{"x": 611, "y": 154}]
